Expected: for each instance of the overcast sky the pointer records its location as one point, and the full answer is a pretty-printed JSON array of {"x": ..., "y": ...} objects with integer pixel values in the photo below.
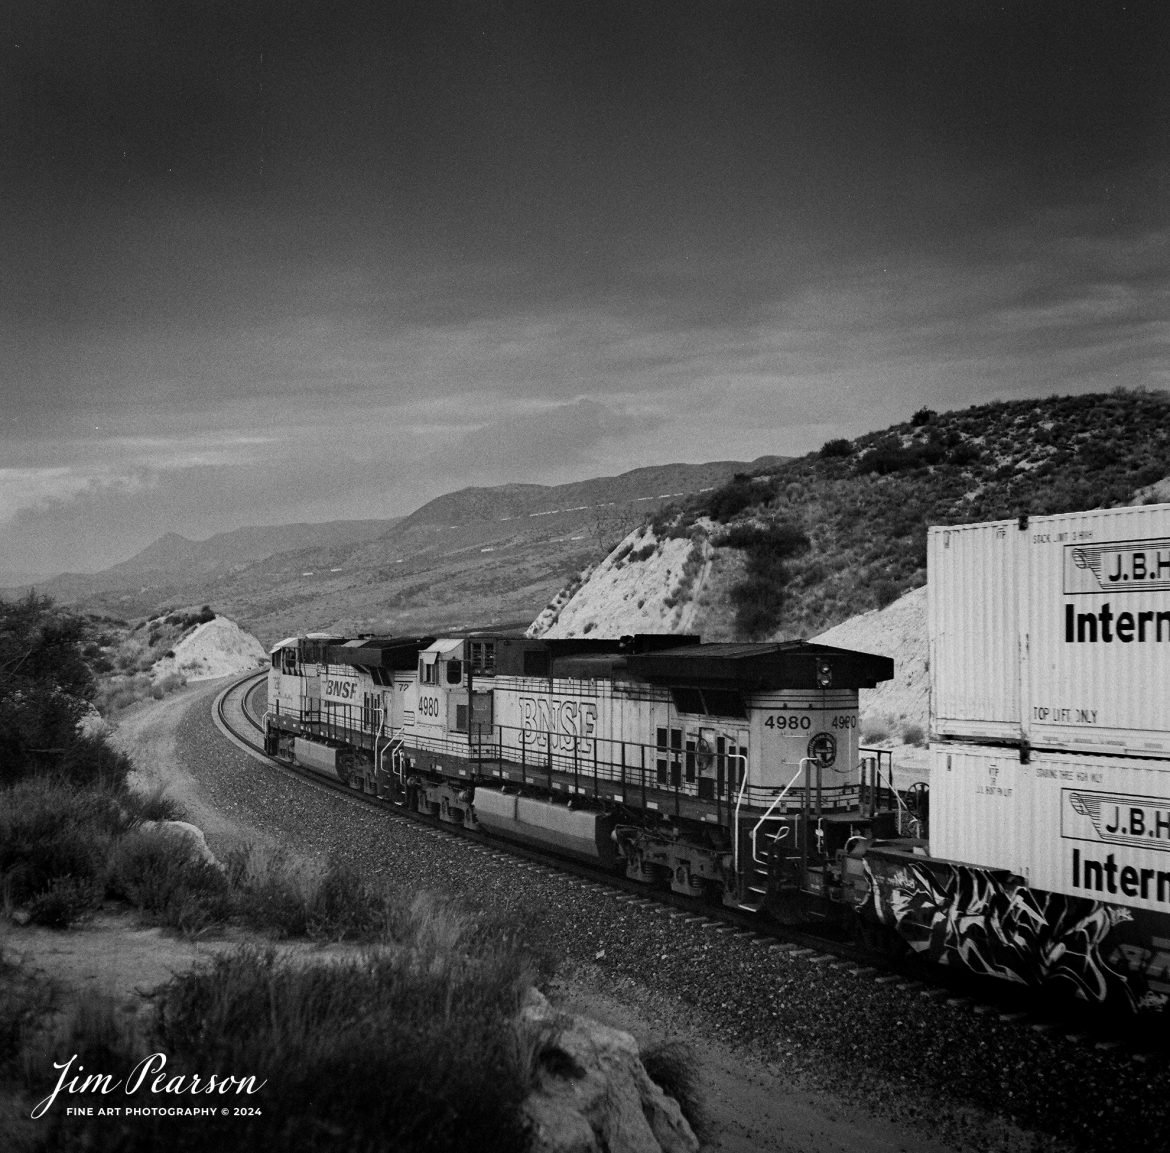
[{"x": 267, "y": 262}]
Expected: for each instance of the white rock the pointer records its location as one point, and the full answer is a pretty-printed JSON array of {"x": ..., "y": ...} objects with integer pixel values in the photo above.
[
  {"x": 217, "y": 648},
  {"x": 593, "y": 1092},
  {"x": 188, "y": 832}
]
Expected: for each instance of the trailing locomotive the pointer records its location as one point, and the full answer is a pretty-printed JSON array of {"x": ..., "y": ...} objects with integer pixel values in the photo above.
[{"x": 724, "y": 770}]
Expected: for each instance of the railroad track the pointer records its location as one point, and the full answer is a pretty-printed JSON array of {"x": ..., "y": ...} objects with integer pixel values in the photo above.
[{"x": 239, "y": 716}]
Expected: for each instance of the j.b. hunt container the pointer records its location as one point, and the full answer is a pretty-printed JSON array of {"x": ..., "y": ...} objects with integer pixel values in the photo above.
[
  {"x": 1053, "y": 631},
  {"x": 1082, "y": 825}
]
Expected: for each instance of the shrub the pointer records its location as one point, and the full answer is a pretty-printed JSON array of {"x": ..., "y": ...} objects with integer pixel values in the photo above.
[
  {"x": 271, "y": 894},
  {"x": 45, "y": 684},
  {"x": 923, "y": 416},
  {"x": 730, "y": 499},
  {"x": 913, "y": 734},
  {"x": 885, "y": 592},
  {"x": 343, "y": 907},
  {"x": 54, "y": 835},
  {"x": 160, "y": 873},
  {"x": 889, "y": 459},
  {"x": 153, "y": 806},
  {"x": 837, "y": 448},
  {"x": 67, "y": 899},
  {"x": 330, "y": 904}
]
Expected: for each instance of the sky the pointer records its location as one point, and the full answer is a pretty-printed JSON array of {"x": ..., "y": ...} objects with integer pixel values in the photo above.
[{"x": 275, "y": 262}]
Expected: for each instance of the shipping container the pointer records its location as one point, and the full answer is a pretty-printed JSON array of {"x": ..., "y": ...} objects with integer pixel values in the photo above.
[
  {"x": 1053, "y": 631},
  {"x": 1084, "y": 826}
]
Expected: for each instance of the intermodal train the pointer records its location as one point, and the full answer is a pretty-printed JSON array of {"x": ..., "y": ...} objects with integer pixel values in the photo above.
[{"x": 1039, "y": 853}]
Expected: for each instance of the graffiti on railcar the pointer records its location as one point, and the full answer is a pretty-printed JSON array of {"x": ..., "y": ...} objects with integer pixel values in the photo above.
[{"x": 990, "y": 923}]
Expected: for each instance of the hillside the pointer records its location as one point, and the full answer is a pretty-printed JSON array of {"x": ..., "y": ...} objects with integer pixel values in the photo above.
[
  {"x": 155, "y": 656},
  {"x": 476, "y": 557},
  {"x": 800, "y": 547}
]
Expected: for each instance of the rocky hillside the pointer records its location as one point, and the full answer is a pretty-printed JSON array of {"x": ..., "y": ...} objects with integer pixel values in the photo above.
[
  {"x": 155, "y": 656},
  {"x": 795, "y": 549}
]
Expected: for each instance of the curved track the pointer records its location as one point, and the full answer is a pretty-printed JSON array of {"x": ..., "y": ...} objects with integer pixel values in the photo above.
[{"x": 241, "y": 721}]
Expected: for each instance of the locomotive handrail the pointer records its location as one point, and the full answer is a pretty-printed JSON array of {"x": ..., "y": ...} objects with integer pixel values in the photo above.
[
  {"x": 743, "y": 784},
  {"x": 771, "y": 808},
  {"x": 877, "y": 772},
  {"x": 378, "y": 751}
]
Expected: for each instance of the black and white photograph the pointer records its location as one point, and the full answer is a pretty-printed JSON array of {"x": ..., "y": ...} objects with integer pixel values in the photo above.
[{"x": 585, "y": 576}]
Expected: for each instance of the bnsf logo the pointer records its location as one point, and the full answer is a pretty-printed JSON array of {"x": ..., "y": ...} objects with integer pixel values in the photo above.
[
  {"x": 428, "y": 706},
  {"x": 340, "y": 690}
]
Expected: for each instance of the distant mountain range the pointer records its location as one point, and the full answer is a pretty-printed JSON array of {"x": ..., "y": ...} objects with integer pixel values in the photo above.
[
  {"x": 173, "y": 553},
  {"x": 489, "y": 556}
]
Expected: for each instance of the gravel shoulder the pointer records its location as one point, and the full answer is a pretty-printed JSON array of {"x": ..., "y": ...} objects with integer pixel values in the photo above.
[{"x": 794, "y": 1057}]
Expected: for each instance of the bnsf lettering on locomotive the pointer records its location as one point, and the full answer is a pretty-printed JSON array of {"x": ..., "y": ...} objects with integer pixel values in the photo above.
[
  {"x": 343, "y": 690},
  {"x": 568, "y": 724}
]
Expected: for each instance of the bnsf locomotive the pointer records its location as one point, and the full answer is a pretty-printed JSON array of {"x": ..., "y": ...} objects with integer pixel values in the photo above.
[{"x": 730, "y": 771}]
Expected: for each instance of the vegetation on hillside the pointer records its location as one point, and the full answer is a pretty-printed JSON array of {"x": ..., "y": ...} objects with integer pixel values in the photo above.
[{"x": 865, "y": 505}]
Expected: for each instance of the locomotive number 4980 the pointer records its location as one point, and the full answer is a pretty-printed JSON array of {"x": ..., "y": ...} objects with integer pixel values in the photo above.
[{"x": 788, "y": 721}]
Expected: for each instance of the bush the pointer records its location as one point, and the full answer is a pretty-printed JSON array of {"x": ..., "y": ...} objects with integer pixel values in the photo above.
[
  {"x": 837, "y": 448},
  {"x": 412, "y": 1050},
  {"x": 160, "y": 873},
  {"x": 45, "y": 684},
  {"x": 730, "y": 499},
  {"x": 890, "y": 459},
  {"x": 67, "y": 899},
  {"x": 54, "y": 838},
  {"x": 343, "y": 907},
  {"x": 271, "y": 894},
  {"x": 913, "y": 734},
  {"x": 333, "y": 904},
  {"x": 923, "y": 416}
]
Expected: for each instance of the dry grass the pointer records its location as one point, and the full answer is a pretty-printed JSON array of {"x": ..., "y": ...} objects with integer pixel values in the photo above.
[{"x": 409, "y": 1047}]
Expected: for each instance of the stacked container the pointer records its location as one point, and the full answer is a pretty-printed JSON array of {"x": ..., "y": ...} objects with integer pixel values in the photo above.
[{"x": 1050, "y": 725}]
